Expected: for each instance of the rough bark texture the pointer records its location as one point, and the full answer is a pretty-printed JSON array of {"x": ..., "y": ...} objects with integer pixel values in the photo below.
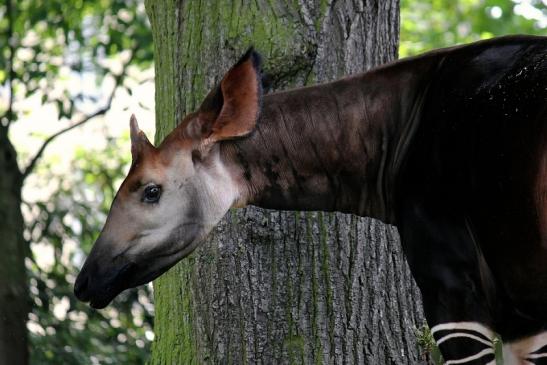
[
  {"x": 280, "y": 287},
  {"x": 13, "y": 284}
]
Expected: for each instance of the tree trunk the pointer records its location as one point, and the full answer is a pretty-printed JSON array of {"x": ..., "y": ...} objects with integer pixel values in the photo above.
[
  {"x": 280, "y": 287},
  {"x": 13, "y": 283}
]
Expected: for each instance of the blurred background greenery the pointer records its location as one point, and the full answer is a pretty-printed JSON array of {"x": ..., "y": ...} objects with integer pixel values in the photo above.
[
  {"x": 80, "y": 63},
  {"x": 429, "y": 24}
]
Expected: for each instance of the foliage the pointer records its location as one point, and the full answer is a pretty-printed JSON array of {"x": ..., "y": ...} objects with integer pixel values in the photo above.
[
  {"x": 430, "y": 24},
  {"x": 63, "y": 330},
  {"x": 51, "y": 41},
  {"x": 427, "y": 344}
]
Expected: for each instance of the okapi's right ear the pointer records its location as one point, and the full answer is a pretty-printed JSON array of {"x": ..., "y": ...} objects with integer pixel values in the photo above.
[
  {"x": 139, "y": 142},
  {"x": 232, "y": 109}
]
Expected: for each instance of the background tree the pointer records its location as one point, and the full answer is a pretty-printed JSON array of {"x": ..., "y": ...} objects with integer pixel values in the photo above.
[
  {"x": 48, "y": 48},
  {"x": 278, "y": 287}
]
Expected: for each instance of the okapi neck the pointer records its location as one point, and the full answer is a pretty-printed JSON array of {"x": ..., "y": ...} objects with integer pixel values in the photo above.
[{"x": 333, "y": 147}]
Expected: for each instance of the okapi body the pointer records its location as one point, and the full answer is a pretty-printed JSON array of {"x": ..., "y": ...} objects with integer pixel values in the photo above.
[{"x": 450, "y": 146}]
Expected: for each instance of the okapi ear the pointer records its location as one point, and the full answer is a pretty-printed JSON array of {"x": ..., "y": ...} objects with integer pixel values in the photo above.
[
  {"x": 232, "y": 109},
  {"x": 139, "y": 142}
]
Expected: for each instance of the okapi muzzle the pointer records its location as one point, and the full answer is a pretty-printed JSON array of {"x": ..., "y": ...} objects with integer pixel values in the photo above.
[
  {"x": 174, "y": 194},
  {"x": 450, "y": 146}
]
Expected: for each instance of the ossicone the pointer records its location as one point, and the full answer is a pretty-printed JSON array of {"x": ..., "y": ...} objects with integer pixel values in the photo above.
[{"x": 139, "y": 142}]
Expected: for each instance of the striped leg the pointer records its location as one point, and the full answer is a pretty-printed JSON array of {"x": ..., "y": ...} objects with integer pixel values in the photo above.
[
  {"x": 450, "y": 271},
  {"x": 527, "y": 351},
  {"x": 466, "y": 343}
]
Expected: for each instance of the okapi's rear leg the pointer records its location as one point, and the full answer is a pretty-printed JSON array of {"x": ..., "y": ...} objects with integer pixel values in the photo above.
[
  {"x": 523, "y": 332},
  {"x": 527, "y": 351},
  {"x": 446, "y": 265}
]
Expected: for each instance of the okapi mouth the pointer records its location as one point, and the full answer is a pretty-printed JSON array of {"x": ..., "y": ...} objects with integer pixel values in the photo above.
[
  {"x": 126, "y": 279},
  {"x": 99, "y": 283},
  {"x": 100, "y": 291}
]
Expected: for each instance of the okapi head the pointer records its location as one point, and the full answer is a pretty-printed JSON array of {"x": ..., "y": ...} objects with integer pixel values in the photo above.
[{"x": 174, "y": 194}]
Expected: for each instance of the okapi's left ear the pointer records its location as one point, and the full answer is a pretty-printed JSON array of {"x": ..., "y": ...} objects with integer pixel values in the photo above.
[{"x": 232, "y": 109}]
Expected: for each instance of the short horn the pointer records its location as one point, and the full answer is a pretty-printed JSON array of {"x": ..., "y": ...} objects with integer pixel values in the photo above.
[
  {"x": 139, "y": 141},
  {"x": 134, "y": 127}
]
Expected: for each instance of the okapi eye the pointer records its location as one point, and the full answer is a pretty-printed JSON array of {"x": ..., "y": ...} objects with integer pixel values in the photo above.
[{"x": 151, "y": 194}]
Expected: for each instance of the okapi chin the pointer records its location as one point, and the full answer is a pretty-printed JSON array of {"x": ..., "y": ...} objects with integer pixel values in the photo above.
[{"x": 450, "y": 146}]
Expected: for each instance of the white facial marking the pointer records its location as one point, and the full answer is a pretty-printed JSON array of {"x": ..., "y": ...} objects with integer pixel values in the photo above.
[{"x": 517, "y": 352}]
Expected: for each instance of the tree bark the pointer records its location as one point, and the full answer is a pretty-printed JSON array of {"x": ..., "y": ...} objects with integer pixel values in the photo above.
[
  {"x": 13, "y": 283},
  {"x": 280, "y": 287}
]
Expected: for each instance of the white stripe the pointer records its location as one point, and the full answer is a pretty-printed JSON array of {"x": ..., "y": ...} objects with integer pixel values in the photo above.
[
  {"x": 536, "y": 356},
  {"x": 493, "y": 362},
  {"x": 463, "y": 334},
  {"x": 537, "y": 342},
  {"x": 470, "y": 358},
  {"x": 471, "y": 326}
]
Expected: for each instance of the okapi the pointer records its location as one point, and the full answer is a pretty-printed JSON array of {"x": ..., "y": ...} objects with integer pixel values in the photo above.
[{"x": 449, "y": 146}]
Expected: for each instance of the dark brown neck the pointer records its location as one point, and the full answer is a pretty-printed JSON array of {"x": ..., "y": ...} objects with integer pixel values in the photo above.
[{"x": 332, "y": 147}]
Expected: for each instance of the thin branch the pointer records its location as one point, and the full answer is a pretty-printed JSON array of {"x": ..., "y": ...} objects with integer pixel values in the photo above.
[
  {"x": 118, "y": 81},
  {"x": 50, "y": 139}
]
